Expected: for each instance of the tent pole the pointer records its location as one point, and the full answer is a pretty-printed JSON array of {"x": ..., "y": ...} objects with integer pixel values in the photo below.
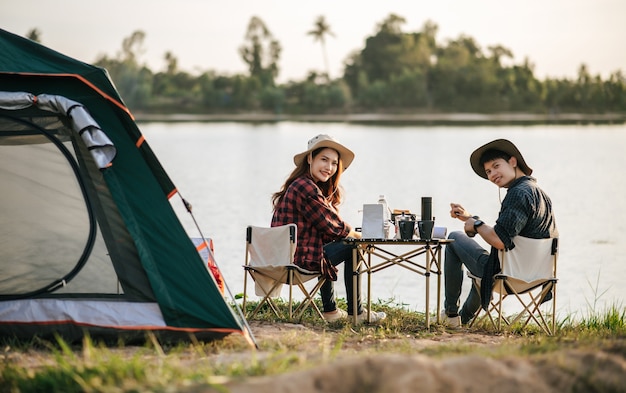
[{"x": 242, "y": 318}]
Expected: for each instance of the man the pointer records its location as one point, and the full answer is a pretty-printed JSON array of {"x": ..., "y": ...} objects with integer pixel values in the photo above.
[{"x": 525, "y": 211}]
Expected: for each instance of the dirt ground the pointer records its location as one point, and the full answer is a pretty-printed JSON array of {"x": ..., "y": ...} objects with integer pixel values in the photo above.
[
  {"x": 416, "y": 364},
  {"x": 341, "y": 360}
]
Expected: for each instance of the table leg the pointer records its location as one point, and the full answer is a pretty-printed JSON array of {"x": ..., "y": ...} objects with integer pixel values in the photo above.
[
  {"x": 369, "y": 288},
  {"x": 427, "y": 287},
  {"x": 355, "y": 264},
  {"x": 438, "y": 282}
]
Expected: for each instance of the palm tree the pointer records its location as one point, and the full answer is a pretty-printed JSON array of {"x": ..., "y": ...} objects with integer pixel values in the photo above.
[
  {"x": 319, "y": 33},
  {"x": 261, "y": 52}
]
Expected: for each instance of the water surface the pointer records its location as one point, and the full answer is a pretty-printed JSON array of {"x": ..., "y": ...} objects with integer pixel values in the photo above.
[{"x": 228, "y": 172}]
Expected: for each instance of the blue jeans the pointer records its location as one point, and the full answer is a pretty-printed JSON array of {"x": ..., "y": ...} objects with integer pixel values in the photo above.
[
  {"x": 338, "y": 252},
  {"x": 463, "y": 251}
]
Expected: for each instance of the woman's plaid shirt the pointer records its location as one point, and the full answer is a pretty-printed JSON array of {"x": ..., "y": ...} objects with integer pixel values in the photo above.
[{"x": 318, "y": 222}]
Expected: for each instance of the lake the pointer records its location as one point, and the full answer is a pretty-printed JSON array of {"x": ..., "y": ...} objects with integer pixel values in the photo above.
[{"x": 229, "y": 170}]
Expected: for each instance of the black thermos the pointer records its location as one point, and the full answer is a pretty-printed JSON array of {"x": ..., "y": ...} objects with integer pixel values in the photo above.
[{"x": 427, "y": 208}]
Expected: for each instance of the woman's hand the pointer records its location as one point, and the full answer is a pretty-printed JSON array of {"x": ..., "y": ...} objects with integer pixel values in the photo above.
[
  {"x": 458, "y": 211},
  {"x": 354, "y": 234}
]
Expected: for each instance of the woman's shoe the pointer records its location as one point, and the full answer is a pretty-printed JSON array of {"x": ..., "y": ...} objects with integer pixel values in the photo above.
[
  {"x": 453, "y": 322},
  {"x": 374, "y": 316},
  {"x": 335, "y": 315}
]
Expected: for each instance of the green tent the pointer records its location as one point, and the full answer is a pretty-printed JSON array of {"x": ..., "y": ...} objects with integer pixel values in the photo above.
[{"x": 89, "y": 241}]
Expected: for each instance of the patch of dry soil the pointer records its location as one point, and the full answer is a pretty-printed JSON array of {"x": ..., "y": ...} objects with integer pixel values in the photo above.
[{"x": 359, "y": 369}]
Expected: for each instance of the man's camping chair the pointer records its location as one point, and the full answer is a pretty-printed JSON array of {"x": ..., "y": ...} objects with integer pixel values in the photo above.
[
  {"x": 269, "y": 261},
  {"x": 528, "y": 274}
]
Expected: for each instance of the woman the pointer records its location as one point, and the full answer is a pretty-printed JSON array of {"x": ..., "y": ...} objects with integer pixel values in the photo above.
[{"x": 310, "y": 198}]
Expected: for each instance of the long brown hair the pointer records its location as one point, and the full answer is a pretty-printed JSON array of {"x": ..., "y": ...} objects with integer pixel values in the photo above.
[{"x": 331, "y": 189}]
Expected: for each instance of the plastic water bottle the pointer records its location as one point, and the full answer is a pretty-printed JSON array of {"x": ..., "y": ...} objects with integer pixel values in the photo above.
[
  {"x": 386, "y": 211},
  {"x": 386, "y": 216}
]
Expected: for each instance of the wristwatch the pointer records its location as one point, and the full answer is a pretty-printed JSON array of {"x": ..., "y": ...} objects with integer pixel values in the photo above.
[{"x": 477, "y": 222}]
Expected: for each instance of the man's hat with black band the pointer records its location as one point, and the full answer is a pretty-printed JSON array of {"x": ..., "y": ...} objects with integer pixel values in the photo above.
[{"x": 504, "y": 146}]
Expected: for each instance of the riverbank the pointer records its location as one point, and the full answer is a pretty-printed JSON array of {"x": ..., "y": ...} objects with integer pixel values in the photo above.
[
  {"x": 444, "y": 361},
  {"x": 304, "y": 358},
  {"x": 397, "y": 355},
  {"x": 403, "y": 118}
]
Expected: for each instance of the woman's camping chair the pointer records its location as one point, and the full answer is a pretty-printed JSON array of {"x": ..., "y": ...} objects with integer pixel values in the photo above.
[
  {"x": 528, "y": 274},
  {"x": 269, "y": 261}
]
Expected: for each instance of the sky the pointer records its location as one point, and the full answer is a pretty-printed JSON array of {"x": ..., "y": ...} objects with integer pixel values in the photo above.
[{"x": 557, "y": 36}]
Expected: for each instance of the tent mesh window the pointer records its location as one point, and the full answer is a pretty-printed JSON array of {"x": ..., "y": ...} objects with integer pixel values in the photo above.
[{"x": 48, "y": 228}]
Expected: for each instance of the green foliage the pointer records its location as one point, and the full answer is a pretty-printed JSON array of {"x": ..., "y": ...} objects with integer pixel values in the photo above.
[
  {"x": 272, "y": 99},
  {"x": 95, "y": 370},
  {"x": 133, "y": 80},
  {"x": 611, "y": 321},
  {"x": 315, "y": 96},
  {"x": 395, "y": 71}
]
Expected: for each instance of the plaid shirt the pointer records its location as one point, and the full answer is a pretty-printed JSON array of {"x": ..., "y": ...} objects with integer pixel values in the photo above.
[
  {"x": 318, "y": 222},
  {"x": 526, "y": 211}
]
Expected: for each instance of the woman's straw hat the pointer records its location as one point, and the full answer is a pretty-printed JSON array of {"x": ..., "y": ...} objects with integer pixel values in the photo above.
[
  {"x": 502, "y": 145},
  {"x": 323, "y": 140}
]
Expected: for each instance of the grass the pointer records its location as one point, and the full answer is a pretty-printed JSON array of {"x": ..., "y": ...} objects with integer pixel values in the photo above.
[{"x": 37, "y": 366}]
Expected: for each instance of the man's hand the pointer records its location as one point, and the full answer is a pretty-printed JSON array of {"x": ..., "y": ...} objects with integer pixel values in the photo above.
[{"x": 458, "y": 211}]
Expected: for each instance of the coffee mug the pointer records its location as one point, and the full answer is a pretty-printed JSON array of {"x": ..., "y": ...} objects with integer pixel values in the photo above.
[
  {"x": 425, "y": 229},
  {"x": 407, "y": 229}
]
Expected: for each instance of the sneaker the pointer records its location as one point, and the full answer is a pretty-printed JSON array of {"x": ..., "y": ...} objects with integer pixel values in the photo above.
[
  {"x": 453, "y": 322},
  {"x": 335, "y": 315},
  {"x": 374, "y": 317}
]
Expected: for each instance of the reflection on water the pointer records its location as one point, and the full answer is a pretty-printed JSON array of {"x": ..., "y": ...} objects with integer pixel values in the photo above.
[{"x": 228, "y": 172}]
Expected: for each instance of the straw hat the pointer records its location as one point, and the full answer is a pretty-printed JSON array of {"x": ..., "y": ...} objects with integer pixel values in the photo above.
[
  {"x": 502, "y": 145},
  {"x": 323, "y": 140}
]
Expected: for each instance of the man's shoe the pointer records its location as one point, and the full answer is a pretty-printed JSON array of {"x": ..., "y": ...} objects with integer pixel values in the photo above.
[
  {"x": 335, "y": 315},
  {"x": 453, "y": 322},
  {"x": 374, "y": 317}
]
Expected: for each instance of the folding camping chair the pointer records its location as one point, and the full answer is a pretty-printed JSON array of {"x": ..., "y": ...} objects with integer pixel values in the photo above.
[
  {"x": 528, "y": 275},
  {"x": 269, "y": 261}
]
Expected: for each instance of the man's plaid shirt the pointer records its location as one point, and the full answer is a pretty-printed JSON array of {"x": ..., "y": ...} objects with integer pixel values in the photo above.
[{"x": 526, "y": 211}]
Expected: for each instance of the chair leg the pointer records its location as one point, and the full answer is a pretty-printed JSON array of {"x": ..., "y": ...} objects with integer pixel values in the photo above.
[
  {"x": 495, "y": 306},
  {"x": 245, "y": 287},
  {"x": 553, "y": 307},
  {"x": 267, "y": 299},
  {"x": 500, "y": 301},
  {"x": 290, "y": 293},
  {"x": 548, "y": 328},
  {"x": 487, "y": 314},
  {"x": 531, "y": 309},
  {"x": 479, "y": 311},
  {"x": 309, "y": 299}
]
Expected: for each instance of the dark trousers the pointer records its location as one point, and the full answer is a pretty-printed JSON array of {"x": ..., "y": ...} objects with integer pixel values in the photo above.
[
  {"x": 338, "y": 252},
  {"x": 464, "y": 251}
]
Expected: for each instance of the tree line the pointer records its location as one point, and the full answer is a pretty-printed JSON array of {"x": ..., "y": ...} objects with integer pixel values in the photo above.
[{"x": 395, "y": 72}]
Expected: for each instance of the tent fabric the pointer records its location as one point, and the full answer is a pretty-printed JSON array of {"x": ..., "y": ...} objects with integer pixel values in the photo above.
[
  {"x": 85, "y": 211},
  {"x": 83, "y": 312},
  {"x": 96, "y": 141}
]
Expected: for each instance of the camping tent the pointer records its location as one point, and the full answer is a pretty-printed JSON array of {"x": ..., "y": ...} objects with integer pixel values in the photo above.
[{"x": 89, "y": 241}]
